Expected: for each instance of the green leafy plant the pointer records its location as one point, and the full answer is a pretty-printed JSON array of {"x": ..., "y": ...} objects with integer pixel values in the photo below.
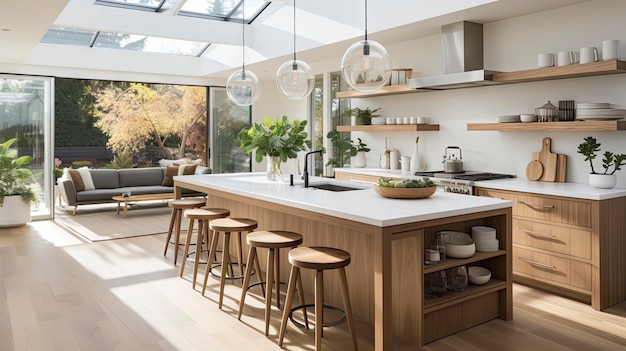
[
  {"x": 364, "y": 113},
  {"x": 123, "y": 159},
  {"x": 590, "y": 147},
  {"x": 275, "y": 137},
  {"x": 360, "y": 145},
  {"x": 343, "y": 149},
  {"x": 15, "y": 179}
]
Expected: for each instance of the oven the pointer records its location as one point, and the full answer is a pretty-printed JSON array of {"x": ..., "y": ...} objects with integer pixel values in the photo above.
[{"x": 460, "y": 183}]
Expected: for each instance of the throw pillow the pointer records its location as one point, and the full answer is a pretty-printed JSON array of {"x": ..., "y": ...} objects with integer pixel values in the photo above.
[
  {"x": 77, "y": 179},
  {"x": 170, "y": 172},
  {"x": 84, "y": 173},
  {"x": 188, "y": 169}
]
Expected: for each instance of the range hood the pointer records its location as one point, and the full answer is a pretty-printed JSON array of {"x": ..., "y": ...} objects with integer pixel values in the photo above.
[{"x": 462, "y": 44}]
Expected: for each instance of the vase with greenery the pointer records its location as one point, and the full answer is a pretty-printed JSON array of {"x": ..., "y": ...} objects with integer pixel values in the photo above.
[
  {"x": 611, "y": 163},
  {"x": 363, "y": 116},
  {"x": 17, "y": 189},
  {"x": 358, "y": 161},
  {"x": 278, "y": 139}
]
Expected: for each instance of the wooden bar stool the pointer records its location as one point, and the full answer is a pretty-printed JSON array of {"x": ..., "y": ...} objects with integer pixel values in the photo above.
[
  {"x": 273, "y": 240},
  {"x": 227, "y": 226},
  {"x": 320, "y": 259},
  {"x": 203, "y": 215},
  {"x": 176, "y": 219}
]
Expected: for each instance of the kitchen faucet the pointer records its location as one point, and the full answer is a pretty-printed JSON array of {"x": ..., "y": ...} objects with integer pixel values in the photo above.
[{"x": 305, "y": 174}]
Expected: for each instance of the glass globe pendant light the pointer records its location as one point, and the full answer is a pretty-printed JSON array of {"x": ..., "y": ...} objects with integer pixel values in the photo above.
[
  {"x": 242, "y": 87},
  {"x": 294, "y": 78},
  {"x": 366, "y": 65}
]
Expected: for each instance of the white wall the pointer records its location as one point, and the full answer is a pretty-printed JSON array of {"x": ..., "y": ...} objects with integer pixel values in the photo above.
[{"x": 510, "y": 45}]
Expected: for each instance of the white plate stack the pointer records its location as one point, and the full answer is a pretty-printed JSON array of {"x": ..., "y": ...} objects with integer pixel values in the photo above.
[
  {"x": 485, "y": 239},
  {"x": 598, "y": 111},
  {"x": 378, "y": 120},
  {"x": 509, "y": 119}
]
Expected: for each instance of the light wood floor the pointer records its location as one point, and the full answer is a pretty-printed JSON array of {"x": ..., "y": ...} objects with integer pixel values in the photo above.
[{"x": 58, "y": 292}]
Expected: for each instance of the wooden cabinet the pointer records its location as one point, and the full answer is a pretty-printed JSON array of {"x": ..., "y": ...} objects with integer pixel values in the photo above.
[
  {"x": 356, "y": 177},
  {"x": 574, "y": 247}
]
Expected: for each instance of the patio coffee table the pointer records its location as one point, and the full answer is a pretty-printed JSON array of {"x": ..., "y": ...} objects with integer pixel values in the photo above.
[{"x": 137, "y": 198}]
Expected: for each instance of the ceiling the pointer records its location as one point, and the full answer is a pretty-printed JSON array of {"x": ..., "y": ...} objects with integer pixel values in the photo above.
[{"x": 325, "y": 29}]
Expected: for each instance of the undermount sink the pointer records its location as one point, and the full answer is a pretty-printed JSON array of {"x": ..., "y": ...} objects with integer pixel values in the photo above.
[{"x": 333, "y": 187}]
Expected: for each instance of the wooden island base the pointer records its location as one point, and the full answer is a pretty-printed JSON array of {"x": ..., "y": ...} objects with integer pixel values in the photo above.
[{"x": 387, "y": 276}]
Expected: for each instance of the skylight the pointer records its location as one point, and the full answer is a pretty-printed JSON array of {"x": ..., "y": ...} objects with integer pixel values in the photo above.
[{"x": 112, "y": 40}]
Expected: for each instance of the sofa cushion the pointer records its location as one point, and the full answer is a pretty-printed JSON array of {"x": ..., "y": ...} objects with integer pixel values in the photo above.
[
  {"x": 140, "y": 176},
  {"x": 188, "y": 169},
  {"x": 86, "y": 177},
  {"x": 79, "y": 185},
  {"x": 105, "y": 178},
  {"x": 170, "y": 172}
]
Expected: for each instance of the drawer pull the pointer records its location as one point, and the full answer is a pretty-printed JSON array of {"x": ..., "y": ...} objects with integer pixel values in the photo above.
[
  {"x": 540, "y": 235},
  {"x": 531, "y": 205},
  {"x": 538, "y": 264}
]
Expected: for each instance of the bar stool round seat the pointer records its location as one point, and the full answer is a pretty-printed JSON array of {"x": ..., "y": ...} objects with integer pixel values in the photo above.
[
  {"x": 274, "y": 241},
  {"x": 227, "y": 226},
  {"x": 319, "y": 259},
  {"x": 175, "y": 221},
  {"x": 203, "y": 215}
]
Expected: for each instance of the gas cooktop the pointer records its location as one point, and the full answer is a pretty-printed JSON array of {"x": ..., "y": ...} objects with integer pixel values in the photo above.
[{"x": 466, "y": 175}]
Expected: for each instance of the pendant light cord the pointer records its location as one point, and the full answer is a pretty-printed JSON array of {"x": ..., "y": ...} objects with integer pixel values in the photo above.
[
  {"x": 243, "y": 35},
  {"x": 294, "y": 30},
  {"x": 365, "y": 19}
]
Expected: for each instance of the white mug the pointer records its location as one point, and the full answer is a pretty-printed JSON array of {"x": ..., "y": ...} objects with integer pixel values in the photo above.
[
  {"x": 609, "y": 50},
  {"x": 545, "y": 60},
  {"x": 588, "y": 54},
  {"x": 405, "y": 161},
  {"x": 421, "y": 120},
  {"x": 564, "y": 58}
]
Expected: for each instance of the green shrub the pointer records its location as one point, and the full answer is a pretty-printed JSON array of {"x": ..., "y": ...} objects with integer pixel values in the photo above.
[
  {"x": 81, "y": 163},
  {"x": 123, "y": 159}
]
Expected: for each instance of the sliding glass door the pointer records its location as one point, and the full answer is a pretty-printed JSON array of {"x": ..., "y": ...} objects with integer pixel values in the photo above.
[
  {"x": 226, "y": 120},
  {"x": 26, "y": 114}
]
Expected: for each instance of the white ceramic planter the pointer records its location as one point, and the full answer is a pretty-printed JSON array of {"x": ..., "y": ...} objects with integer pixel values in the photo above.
[
  {"x": 358, "y": 161},
  {"x": 14, "y": 212},
  {"x": 602, "y": 181}
]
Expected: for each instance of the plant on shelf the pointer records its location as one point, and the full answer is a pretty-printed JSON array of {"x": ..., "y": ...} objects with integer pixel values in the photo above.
[
  {"x": 611, "y": 163},
  {"x": 363, "y": 116},
  {"x": 17, "y": 190},
  {"x": 279, "y": 139}
]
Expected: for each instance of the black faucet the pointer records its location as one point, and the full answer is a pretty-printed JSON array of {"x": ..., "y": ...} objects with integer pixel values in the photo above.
[{"x": 305, "y": 174}]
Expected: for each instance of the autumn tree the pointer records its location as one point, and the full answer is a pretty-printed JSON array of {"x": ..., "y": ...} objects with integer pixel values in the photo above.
[{"x": 142, "y": 114}]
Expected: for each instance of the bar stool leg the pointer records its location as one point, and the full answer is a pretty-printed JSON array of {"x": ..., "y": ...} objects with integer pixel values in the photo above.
[
  {"x": 187, "y": 244},
  {"x": 225, "y": 265},
  {"x": 347, "y": 305},
  {"x": 257, "y": 266},
  {"x": 170, "y": 231},
  {"x": 246, "y": 279},
  {"x": 269, "y": 279},
  {"x": 302, "y": 302},
  {"x": 319, "y": 309},
  {"x": 203, "y": 226},
  {"x": 293, "y": 277},
  {"x": 212, "y": 252},
  {"x": 239, "y": 253},
  {"x": 179, "y": 216},
  {"x": 277, "y": 277}
]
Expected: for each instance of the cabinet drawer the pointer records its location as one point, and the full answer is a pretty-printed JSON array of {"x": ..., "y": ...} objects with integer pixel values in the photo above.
[
  {"x": 551, "y": 269},
  {"x": 553, "y": 209},
  {"x": 357, "y": 177},
  {"x": 568, "y": 241}
]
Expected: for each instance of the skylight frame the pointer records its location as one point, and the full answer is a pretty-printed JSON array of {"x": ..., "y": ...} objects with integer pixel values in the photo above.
[{"x": 127, "y": 4}]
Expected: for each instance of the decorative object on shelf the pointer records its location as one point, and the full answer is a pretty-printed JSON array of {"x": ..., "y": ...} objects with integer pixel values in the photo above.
[
  {"x": 478, "y": 275},
  {"x": 363, "y": 116},
  {"x": 457, "y": 278},
  {"x": 610, "y": 50},
  {"x": 278, "y": 139},
  {"x": 358, "y": 161},
  {"x": 242, "y": 87},
  {"x": 294, "y": 78},
  {"x": 459, "y": 244},
  {"x": 400, "y": 75},
  {"x": 404, "y": 188},
  {"x": 415, "y": 157},
  {"x": 611, "y": 163},
  {"x": 547, "y": 113},
  {"x": 384, "y": 157},
  {"x": 366, "y": 65},
  {"x": 17, "y": 190},
  {"x": 438, "y": 283},
  {"x": 567, "y": 110}
]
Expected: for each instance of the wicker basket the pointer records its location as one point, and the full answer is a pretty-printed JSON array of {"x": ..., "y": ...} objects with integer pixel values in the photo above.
[{"x": 405, "y": 193}]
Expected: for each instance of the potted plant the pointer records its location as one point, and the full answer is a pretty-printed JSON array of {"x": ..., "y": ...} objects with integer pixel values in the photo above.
[
  {"x": 17, "y": 191},
  {"x": 611, "y": 163},
  {"x": 358, "y": 161},
  {"x": 362, "y": 116},
  {"x": 278, "y": 139}
]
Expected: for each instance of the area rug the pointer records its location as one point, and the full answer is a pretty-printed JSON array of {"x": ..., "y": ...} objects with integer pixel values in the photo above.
[{"x": 105, "y": 224}]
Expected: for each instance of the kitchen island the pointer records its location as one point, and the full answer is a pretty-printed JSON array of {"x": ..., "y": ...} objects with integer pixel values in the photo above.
[{"x": 386, "y": 239}]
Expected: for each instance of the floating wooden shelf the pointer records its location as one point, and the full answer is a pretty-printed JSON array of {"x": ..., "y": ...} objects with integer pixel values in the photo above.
[
  {"x": 390, "y": 128},
  {"x": 562, "y": 72},
  {"x": 453, "y": 262},
  {"x": 575, "y": 126},
  {"x": 384, "y": 91}
]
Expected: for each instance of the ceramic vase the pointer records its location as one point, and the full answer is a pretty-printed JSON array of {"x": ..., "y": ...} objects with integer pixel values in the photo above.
[
  {"x": 602, "y": 181},
  {"x": 358, "y": 161}
]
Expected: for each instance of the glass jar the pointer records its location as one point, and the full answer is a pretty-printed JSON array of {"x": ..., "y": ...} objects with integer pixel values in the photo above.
[{"x": 547, "y": 113}]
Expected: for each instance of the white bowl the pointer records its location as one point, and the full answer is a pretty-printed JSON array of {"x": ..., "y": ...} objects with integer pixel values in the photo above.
[
  {"x": 528, "y": 118},
  {"x": 458, "y": 245},
  {"x": 487, "y": 245},
  {"x": 480, "y": 232},
  {"x": 478, "y": 275}
]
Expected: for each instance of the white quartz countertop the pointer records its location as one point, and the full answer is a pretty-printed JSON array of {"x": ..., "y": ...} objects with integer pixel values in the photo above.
[
  {"x": 363, "y": 205},
  {"x": 572, "y": 190}
]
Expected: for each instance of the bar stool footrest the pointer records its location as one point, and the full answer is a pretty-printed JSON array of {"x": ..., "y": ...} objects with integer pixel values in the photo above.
[
  {"x": 328, "y": 307},
  {"x": 243, "y": 265}
]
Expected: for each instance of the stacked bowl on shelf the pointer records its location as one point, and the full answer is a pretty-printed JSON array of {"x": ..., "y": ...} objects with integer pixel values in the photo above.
[
  {"x": 509, "y": 119},
  {"x": 485, "y": 239},
  {"x": 377, "y": 121},
  {"x": 597, "y": 111}
]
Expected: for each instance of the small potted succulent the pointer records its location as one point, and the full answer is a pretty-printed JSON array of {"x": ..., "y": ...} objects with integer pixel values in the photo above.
[{"x": 611, "y": 163}]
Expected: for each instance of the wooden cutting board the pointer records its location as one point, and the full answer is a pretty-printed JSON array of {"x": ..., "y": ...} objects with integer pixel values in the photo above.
[
  {"x": 561, "y": 167},
  {"x": 548, "y": 160}
]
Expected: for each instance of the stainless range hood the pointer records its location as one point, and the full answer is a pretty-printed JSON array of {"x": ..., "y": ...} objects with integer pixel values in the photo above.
[{"x": 462, "y": 44}]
